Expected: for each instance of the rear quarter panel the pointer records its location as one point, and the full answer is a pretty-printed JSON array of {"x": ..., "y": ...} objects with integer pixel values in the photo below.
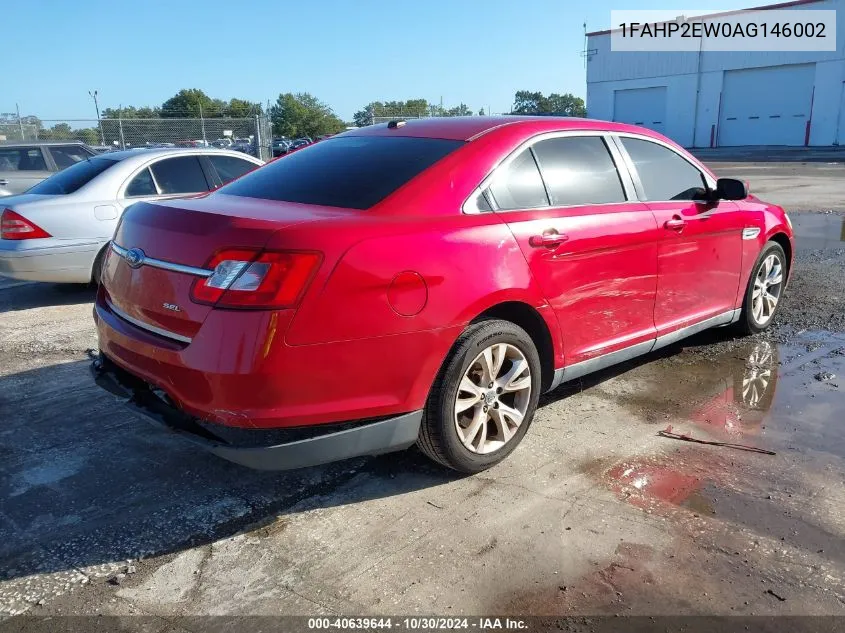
[
  {"x": 466, "y": 263},
  {"x": 398, "y": 298}
]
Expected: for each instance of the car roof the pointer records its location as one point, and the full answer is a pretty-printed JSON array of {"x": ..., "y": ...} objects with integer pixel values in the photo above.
[
  {"x": 141, "y": 155},
  {"x": 466, "y": 128},
  {"x": 40, "y": 142}
]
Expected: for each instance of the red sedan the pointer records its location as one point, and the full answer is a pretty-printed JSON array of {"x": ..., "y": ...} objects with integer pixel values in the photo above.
[{"x": 424, "y": 283}]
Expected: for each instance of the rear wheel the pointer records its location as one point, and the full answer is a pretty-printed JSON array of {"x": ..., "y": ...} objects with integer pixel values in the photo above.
[
  {"x": 484, "y": 398},
  {"x": 764, "y": 291}
]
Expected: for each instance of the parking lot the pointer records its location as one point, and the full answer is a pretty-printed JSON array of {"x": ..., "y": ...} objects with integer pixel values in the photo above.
[{"x": 595, "y": 513}]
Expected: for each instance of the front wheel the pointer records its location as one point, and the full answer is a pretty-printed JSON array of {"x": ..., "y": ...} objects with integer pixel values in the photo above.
[
  {"x": 484, "y": 398},
  {"x": 97, "y": 268},
  {"x": 765, "y": 289}
]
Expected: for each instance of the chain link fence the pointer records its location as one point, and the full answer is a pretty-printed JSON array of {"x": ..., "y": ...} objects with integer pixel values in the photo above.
[{"x": 251, "y": 135}]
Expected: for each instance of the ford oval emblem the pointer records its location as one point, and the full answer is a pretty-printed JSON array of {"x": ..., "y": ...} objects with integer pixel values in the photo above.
[{"x": 135, "y": 257}]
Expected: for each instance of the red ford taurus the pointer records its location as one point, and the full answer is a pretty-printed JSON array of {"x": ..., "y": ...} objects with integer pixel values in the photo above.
[{"x": 424, "y": 282}]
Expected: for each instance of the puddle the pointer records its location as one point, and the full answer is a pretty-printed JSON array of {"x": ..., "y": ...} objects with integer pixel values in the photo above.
[
  {"x": 740, "y": 522},
  {"x": 752, "y": 394},
  {"x": 819, "y": 230}
]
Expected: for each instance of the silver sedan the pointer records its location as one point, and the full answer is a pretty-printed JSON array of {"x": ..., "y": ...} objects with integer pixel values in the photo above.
[{"x": 58, "y": 230}]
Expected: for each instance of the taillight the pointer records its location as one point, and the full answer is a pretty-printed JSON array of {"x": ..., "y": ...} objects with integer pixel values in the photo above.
[
  {"x": 14, "y": 226},
  {"x": 256, "y": 279}
]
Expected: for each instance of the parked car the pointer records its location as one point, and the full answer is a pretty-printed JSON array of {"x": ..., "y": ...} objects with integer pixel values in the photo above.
[
  {"x": 191, "y": 143},
  {"x": 300, "y": 142},
  {"x": 280, "y": 146},
  {"x": 23, "y": 165},
  {"x": 425, "y": 283},
  {"x": 244, "y": 145},
  {"x": 58, "y": 230}
]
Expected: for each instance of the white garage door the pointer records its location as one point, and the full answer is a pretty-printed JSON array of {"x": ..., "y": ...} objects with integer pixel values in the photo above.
[
  {"x": 766, "y": 106},
  {"x": 641, "y": 106}
]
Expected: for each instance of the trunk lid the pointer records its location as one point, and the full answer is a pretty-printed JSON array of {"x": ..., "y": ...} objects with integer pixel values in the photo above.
[{"x": 181, "y": 235}]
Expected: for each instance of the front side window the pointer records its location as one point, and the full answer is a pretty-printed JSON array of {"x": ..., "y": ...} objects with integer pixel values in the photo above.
[
  {"x": 351, "y": 172},
  {"x": 67, "y": 155},
  {"x": 142, "y": 185},
  {"x": 519, "y": 185},
  {"x": 180, "y": 175},
  {"x": 579, "y": 170},
  {"x": 73, "y": 178},
  {"x": 22, "y": 159},
  {"x": 663, "y": 173}
]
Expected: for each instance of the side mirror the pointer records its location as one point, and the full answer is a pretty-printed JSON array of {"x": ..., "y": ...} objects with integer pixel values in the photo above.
[{"x": 731, "y": 189}]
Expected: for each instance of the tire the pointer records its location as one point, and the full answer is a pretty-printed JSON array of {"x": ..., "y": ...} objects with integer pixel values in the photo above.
[
  {"x": 749, "y": 323},
  {"x": 97, "y": 268},
  {"x": 440, "y": 437}
]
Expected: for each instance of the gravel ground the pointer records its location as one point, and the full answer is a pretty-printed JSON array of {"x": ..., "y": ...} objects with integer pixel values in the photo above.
[{"x": 596, "y": 512}]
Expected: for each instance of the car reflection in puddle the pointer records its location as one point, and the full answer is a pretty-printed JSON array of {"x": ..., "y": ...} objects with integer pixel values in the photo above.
[
  {"x": 729, "y": 401},
  {"x": 756, "y": 394},
  {"x": 748, "y": 391}
]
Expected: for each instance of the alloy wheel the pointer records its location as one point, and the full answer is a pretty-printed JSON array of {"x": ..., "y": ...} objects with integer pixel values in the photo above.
[
  {"x": 757, "y": 375},
  {"x": 493, "y": 398},
  {"x": 768, "y": 285}
]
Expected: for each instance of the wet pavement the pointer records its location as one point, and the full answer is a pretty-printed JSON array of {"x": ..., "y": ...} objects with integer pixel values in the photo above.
[
  {"x": 825, "y": 231},
  {"x": 798, "y": 179},
  {"x": 597, "y": 512}
]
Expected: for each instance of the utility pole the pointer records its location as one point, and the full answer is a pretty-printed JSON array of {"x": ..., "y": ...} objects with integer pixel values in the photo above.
[
  {"x": 120, "y": 123},
  {"x": 202, "y": 123},
  {"x": 20, "y": 121},
  {"x": 99, "y": 123}
]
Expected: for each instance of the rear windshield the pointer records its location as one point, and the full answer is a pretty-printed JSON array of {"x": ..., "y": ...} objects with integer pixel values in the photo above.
[
  {"x": 352, "y": 172},
  {"x": 74, "y": 177}
]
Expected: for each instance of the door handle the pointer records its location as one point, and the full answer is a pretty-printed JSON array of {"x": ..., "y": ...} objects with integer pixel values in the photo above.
[
  {"x": 549, "y": 239},
  {"x": 675, "y": 224},
  {"x": 4, "y": 182}
]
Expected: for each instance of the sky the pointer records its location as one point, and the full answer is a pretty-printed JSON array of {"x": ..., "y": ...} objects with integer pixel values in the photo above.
[{"x": 347, "y": 53}]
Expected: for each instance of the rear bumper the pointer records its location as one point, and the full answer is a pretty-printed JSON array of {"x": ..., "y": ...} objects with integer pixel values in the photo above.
[
  {"x": 61, "y": 261},
  {"x": 291, "y": 448}
]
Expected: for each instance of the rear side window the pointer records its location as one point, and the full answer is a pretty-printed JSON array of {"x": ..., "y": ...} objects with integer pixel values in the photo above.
[
  {"x": 519, "y": 185},
  {"x": 352, "y": 172},
  {"x": 663, "y": 173},
  {"x": 229, "y": 167},
  {"x": 579, "y": 170},
  {"x": 141, "y": 185},
  {"x": 67, "y": 155},
  {"x": 22, "y": 159},
  {"x": 180, "y": 175},
  {"x": 74, "y": 177}
]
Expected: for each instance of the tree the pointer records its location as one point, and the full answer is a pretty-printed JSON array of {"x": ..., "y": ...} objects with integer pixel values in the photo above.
[
  {"x": 88, "y": 135},
  {"x": 239, "y": 108},
  {"x": 302, "y": 114},
  {"x": 189, "y": 103},
  {"x": 364, "y": 116},
  {"x": 459, "y": 110},
  {"x": 526, "y": 102},
  {"x": 131, "y": 112},
  {"x": 481, "y": 112},
  {"x": 567, "y": 105},
  {"x": 59, "y": 132},
  {"x": 412, "y": 108}
]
